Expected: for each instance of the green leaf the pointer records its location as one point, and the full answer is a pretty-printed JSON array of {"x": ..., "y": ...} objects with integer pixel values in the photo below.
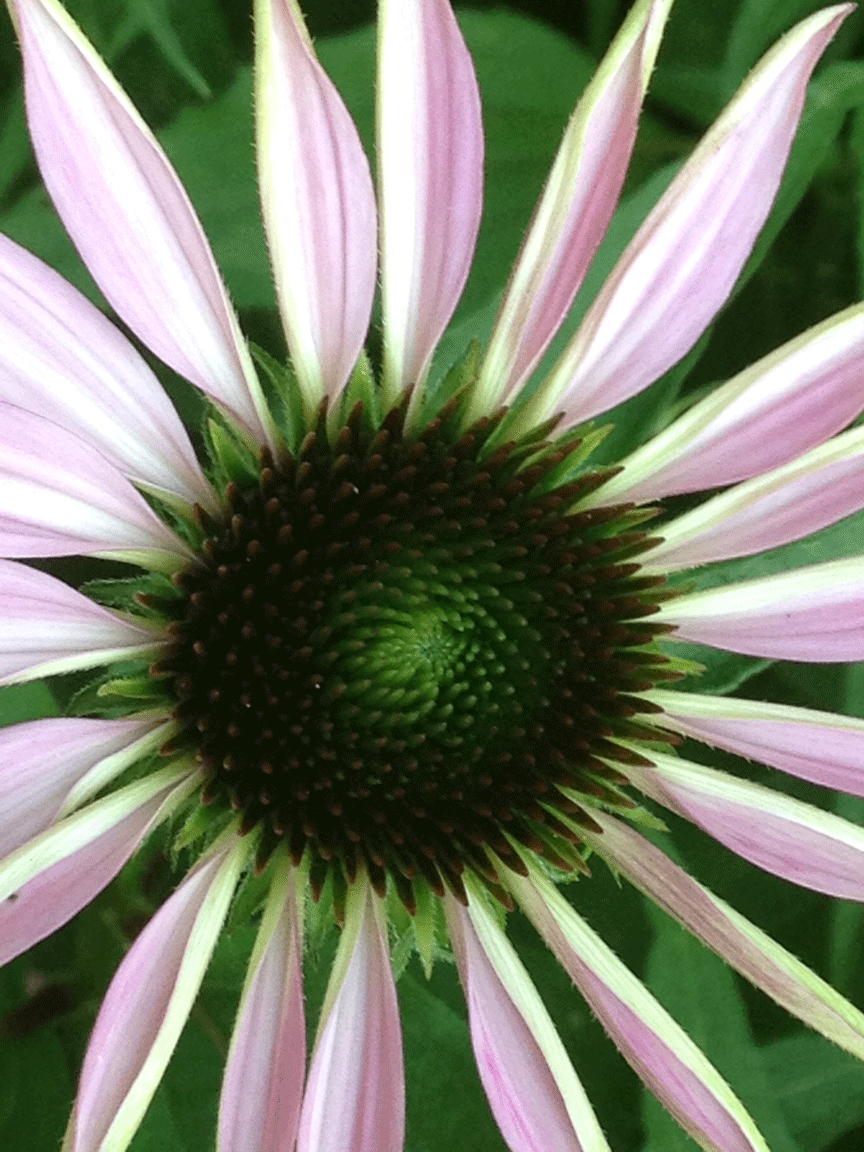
[
  {"x": 26, "y": 702},
  {"x": 446, "y": 1104},
  {"x": 818, "y": 1088},
  {"x": 35, "y": 1090}
]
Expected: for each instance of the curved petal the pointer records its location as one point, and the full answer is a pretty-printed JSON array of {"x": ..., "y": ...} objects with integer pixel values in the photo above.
[
  {"x": 47, "y": 627},
  {"x": 574, "y": 211},
  {"x": 42, "y": 760},
  {"x": 683, "y": 262},
  {"x": 430, "y": 176},
  {"x": 535, "y": 1096},
  {"x": 355, "y": 1095},
  {"x": 666, "y": 1058},
  {"x": 318, "y": 203},
  {"x": 756, "y": 956},
  {"x": 817, "y": 489},
  {"x": 794, "y": 840},
  {"x": 259, "y": 1110},
  {"x": 58, "y": 497},
  {"x": 128, "y": 214},
  {"x": 783, "y": 405},
  {"x": 147, "y": 1003},
  {"x": 60, "y": 358},
  {"x": 819, "y": 746},
  {"x": 51, "y": 877},
  {"x": 814, "y": 613}
]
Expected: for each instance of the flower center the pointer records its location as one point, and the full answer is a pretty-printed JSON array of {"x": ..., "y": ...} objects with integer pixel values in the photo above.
[{"x": 398, "y": 651}]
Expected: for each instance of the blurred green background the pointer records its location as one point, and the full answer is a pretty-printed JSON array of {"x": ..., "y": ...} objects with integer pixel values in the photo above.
[{"x": 186, "y": 63}]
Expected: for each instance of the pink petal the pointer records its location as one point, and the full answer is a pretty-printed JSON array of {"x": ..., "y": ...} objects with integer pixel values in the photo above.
[
  {"x": 147, "y": 1004},
  {"x": 60, "y": 358},
  {"x": 683, "y": 262},
  {"x": 128, "y": 214},
  {"x": 523, "y": 1092},
  {"x": 667, "y": 1060},
  {"x": 781, "y": 406},
  {"x": 47, "y": 627},
  {"x": 819, "y": 746},
  {"x": 59, "y": 497},
  {"x": 741, "y": 944},
  {"x": 577, "y": 204},
  {"x": 430, "y": 166},
  {"x": 794, "y": 840},
  {"x": 786, "y": 504},
  {"x": 260, "y": 1106},
  {"x": 41, "y": 760},
  {"x": 355, "y": 1096},
  {"x": 61, "y": 886},
  {"x": 318, "y": 202},
  {"x": 814, "y": 613}
]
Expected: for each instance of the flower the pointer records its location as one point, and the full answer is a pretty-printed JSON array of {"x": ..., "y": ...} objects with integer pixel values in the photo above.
[{"x": 394, "y": 645}]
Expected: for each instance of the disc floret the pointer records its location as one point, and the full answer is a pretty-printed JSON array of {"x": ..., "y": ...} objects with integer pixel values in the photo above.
[{"x": 397, "y": 651}]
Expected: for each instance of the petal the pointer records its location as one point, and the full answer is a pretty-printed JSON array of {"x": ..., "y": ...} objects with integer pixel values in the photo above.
[
  {"x": 784, "y": 404},
  {"x": 576, "y": 206},
  {"x": 59, "y": 497},
  {"x": 814, "y": 613},
  {"x": 819, "y": 746},
  {"x": 260, "y": 1106},
  {"x": 47, "y": 627},
  {"x": 318, "y": 203},
  {"x": 60, "y": 358},
  {"x": 147, "y": 1004},
  {"x": 666, "y": 1058},
  {"x": 535, "y": 1096},
  {"x": 430, "y": 175},
  {"x": 756, "y": 956},
  {"x": 128, "y": 214},
  {"x": 51, "y": 877},
  {"x": 817, "y": 489},
  {"x": 683, "y": 262},
  {"x": 355, "y": 1096},
  {"x": 42, "y": 760},
  {"x": 784, "y": 836}
]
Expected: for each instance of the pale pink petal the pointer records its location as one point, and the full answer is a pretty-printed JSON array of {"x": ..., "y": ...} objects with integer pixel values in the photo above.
[
  {"x": 671, "y": 1065},
  {"x": 535, "y": 1096},
  {"x": 42, "y": 760},
  {"x": 817, "y": 489},
  {"x": 50, "y": 878},
  {"x": 781, "y": 406},
  {"x": 355, "y": 1095},
  {"x": 787, "y": 837},
  {"x": 47, "y": 627},
  {"x": 259, "y": 1110},
  {"x": 575, "y": 209},
  {"x": 430, "y": 174},
  {"x": 777, "y": 972},
  {"x": 318, "y": 203},
  {"x": 148, "y": 1001},
  {"x": 683, "y": 262},
  {"x": 820, "y": 746},
  {"x": 60, "y": 358},
  {"x": 128, "y": 214},
  {"x": 814, "y": 614},
  {"x": 59, "y": 497}
]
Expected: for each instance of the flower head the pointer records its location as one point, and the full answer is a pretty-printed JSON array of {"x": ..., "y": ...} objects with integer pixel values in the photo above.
[{"x": 398, "y": 652}]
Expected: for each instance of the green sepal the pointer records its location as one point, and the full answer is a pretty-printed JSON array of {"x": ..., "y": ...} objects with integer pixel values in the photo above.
[
  {"x": 127, "y": 594},
  {"x": 284, "y": 398},
  {"x": 231, "y": 458},
  {"x": 133, "y": 688},
  {"x": 250, "y": 896},
  {"x": 459, "y": 378},
  {"x": 91, "y": 700},
  {"x": 361, "y": 388}
]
